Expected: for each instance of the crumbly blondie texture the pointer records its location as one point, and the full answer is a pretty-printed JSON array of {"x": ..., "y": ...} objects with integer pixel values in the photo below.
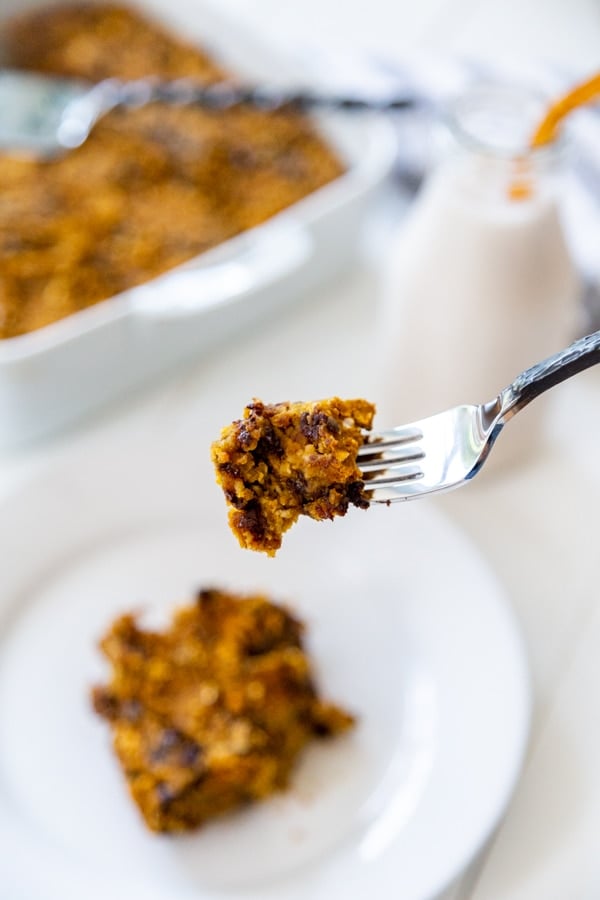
[
  {"x": 150, "y": 188},
  {"x": 289, "y": 459},
  {"x": 212, "y": 713}
]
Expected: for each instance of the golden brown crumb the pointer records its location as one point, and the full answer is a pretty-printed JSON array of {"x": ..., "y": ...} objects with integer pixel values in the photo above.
[
  {"x": 212, "y": 713},
  {"x": 150, "y": 188},
  {"x": 289, "y": 459}
]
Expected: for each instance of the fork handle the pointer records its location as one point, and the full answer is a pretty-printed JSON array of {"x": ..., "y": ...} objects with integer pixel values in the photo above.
[{"x": 579, "y": 356}]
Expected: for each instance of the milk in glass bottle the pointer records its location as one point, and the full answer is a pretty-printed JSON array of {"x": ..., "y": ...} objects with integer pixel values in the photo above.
[{"x": 479, "y": 282}]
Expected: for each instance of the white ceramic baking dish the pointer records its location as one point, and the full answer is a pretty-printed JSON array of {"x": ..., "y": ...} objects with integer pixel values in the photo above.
[{"x": 53, "y": 376}]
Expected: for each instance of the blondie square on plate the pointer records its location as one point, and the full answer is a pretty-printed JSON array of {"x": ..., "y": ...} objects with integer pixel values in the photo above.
[{"x": 212, "y": 713}]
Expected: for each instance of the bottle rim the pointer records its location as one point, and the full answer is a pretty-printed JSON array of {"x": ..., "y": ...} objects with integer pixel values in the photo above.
[{"x": 499, "y": 120}]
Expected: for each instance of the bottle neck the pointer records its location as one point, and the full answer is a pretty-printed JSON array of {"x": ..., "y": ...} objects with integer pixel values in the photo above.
[{"x": 490, "y": 130}]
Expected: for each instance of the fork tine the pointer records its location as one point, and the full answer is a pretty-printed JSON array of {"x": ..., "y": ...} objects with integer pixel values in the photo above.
[
  {"x": 390, "y": 460},
  {"x": 392, "y": 438},
  {"x": 385, "y": 460},
  {"x": 410, "y": 473}
]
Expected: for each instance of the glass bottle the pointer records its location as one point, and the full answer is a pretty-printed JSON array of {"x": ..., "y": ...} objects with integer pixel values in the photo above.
[{"x": 479, "y": 281}]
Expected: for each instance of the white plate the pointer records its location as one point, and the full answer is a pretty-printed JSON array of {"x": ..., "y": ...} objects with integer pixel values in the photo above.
[{"x": 408, "y": 628}]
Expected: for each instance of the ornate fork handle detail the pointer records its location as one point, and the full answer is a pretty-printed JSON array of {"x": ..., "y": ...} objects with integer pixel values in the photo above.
[{"x": 580, "y": 355}]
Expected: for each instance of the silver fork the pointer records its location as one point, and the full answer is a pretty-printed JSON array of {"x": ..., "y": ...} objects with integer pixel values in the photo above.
[{"x": 446, "y": 450}]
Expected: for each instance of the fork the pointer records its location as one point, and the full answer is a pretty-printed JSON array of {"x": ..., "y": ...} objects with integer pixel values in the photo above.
[{"x": 448, "y": 449}]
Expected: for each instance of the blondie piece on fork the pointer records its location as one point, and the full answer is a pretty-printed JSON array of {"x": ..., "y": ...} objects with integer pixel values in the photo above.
[{"x": 284, "y": 460}]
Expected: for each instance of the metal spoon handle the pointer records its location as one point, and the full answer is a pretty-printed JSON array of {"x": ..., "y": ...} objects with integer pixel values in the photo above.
[{"x": 224, "y": 95}]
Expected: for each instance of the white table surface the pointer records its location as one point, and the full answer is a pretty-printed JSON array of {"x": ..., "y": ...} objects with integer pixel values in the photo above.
[{"x": 537, "y": 527}]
